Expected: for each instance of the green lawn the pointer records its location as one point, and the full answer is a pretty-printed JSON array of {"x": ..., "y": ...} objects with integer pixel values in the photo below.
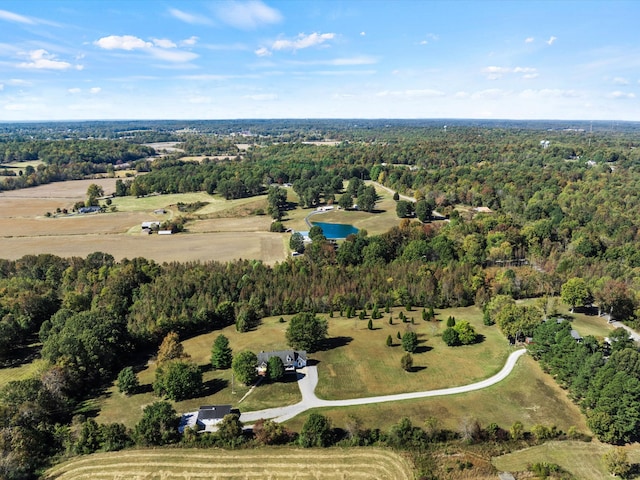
[
  {"x": 366, "y": 366},
  {"x": 360, "y": 365},
  {"x": 527, "y": 395}
]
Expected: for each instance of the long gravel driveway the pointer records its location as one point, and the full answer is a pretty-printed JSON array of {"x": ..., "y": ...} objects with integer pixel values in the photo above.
[{"x": 308, "y": 380}]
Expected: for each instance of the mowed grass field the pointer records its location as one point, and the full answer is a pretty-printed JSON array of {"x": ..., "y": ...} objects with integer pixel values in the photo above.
[
  {"x": 359, "y": 364},
  {"x": 273, "y": 463},
  {"x": 583, "y": 460}
]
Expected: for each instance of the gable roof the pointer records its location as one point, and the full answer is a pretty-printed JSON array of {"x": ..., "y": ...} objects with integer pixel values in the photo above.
[
  {"x": 288, "y": 357},
  {"x": 213, "y": 412}
]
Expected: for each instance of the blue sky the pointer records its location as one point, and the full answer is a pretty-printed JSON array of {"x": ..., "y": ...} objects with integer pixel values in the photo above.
[{"x": 177, "y": 59}]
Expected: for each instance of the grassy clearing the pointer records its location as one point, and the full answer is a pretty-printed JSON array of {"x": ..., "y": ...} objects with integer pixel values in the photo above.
[
  {"x": 21, "y": 372},
  {"x": 374, "y": 223},
  {"x": 583, "y": 460},
  {"x": 368, "y": 367},
  {"x": 527, "y": 395},
  {"x": 584, "y": 324},
  {"x": 281, "y": 463},
  {"x": 115, "y": 407},
  {"x": 364, "y": 366},
  {"x": 25, "y": 164}
]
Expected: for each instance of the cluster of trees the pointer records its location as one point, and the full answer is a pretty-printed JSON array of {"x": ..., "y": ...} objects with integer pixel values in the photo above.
[{"x": 607, "y": 391}]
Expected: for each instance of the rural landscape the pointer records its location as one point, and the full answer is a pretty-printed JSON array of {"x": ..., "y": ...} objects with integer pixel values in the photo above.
[
  {"x": 137, "y": 293},
  {"x": 330, "y": 239}
]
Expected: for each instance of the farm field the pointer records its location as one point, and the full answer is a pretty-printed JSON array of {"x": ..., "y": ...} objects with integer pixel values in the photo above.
[
  {"x": 280, "y": 463},
  {"x": 218, "y": 230},
  {"x": 26, "y": 230},
  {"x": 583, "y": 460}
]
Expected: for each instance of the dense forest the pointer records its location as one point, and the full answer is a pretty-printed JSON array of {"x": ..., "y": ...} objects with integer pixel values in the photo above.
[{"x": 563, "y": 220}]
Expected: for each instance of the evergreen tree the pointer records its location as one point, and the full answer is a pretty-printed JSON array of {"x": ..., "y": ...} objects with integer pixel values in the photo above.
[{"x": 221, "y": 353}]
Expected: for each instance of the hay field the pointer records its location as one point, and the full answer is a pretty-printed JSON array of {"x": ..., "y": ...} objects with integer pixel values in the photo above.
[
  {"x": 273, "y": 463},
  {"x": 222, "y": 230},
  {"x": 583, "y": 460}
]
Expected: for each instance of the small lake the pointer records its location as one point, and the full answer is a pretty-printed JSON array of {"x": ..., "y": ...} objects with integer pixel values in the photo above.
[{"x": 335, "y": 231}]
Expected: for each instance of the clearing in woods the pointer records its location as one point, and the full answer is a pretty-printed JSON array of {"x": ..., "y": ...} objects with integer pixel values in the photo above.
[{"x": 281, "y": 463}]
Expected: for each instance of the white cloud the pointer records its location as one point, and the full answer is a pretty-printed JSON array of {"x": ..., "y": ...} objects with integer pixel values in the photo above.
[
  {"x": 42, "y": 60},
  {"x": 461, "y": 95},
  {"x": 620, "y": 81},
  {"x": 163, "y": 43},
  {"x": 494, "y": 72},
  {"x": 1, "y": 87},
  {"x": 15, "y": 107},
  {"x": 362, "y": 34},
  {"x": 303, "y": 41},
  {"x": 410, "y": 93},
  {"x": 16, "y": 18},
  {"x": 74, "y": 90},
  {"x": 550, "y": 93},
  {"x": 360, "y": 60},
  {"x": 248, "y": 15},
  {"x": 621, "y": 95},
  {"x": 200, "y": 100},
  {"x": 177, "y": 56},
  {"x": 122, "y": 42},
  {"x": 189, "y": 41},
  {"x": 263, "y": 52},
  {"x": 95, "y": 90},
  {"x": 489, "y": 93},
  {"x": 162, "y": 49},
  {"x": 18, "y": 82},
  {"x": 261, "y": 97},
  {"x": 189, "y": 18},
  {"x": 529, "y": 40},
  {"x": 551, "y": 40}
]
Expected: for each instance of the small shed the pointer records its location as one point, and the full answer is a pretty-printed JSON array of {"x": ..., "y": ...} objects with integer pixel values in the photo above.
[{"x": 576, "y": 336}]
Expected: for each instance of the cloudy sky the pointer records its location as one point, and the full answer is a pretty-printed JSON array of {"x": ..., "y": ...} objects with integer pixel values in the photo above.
[{"x": 218, "y": 59}]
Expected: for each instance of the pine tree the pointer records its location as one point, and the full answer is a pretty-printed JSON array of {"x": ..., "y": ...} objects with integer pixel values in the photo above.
[{"x": 221, "y": 353}]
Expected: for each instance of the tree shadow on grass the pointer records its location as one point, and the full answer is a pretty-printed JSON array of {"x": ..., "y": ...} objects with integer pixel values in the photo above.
[
  {"x": 213, "y": 386},
  {"x": 423, "y": 348},
  {"x": 415, "y": 369},
  {"x": 146, "y": 388},
  {"x": 335, "y": 342}
]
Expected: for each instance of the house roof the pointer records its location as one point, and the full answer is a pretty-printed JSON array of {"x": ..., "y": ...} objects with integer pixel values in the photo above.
[
  {"x": 288, "y": 357},
  {"x": 213, "y": 412}
]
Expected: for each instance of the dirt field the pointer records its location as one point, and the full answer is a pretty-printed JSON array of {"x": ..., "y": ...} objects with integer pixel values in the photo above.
[{"x": 25, "y": 229}]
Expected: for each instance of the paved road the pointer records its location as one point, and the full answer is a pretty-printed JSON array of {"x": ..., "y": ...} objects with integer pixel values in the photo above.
[
  {"x": 632, "y": 333},
  {"x": 308, "y": 379}
]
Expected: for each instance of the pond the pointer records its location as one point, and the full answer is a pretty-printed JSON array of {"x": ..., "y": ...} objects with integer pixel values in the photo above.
[{"x": 336, "y": 231}]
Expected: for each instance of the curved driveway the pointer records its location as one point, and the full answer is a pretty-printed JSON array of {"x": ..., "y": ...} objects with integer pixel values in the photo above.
[{"x": 308, "y": 379}]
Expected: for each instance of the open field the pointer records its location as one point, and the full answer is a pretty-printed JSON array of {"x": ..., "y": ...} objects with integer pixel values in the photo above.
[
  {"x": 527, "y": 394},
  {"x": 368, "y": 367},
  {"x": 218, "y": 232},
  {"x": 223, "y": 246},
  {"x": 583, "y": 460},
  {"x": 273, "y": 463}
]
